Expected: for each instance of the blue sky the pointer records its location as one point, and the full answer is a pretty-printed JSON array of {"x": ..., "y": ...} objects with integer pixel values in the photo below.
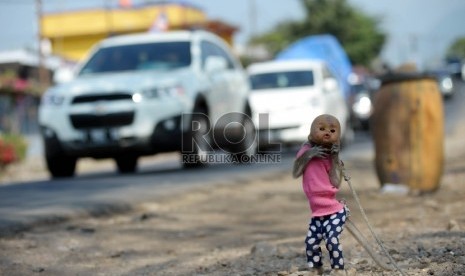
[{"x": 419, "y": 30}]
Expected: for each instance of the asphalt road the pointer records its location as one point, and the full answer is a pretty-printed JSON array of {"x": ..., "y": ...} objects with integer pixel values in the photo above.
[
  {"x": 23, "y": 205},
  {"x": 105, "y": 192}
]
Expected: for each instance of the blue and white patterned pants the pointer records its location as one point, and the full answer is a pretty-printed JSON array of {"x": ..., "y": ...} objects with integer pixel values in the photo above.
[{"x": 328, "y": 228}]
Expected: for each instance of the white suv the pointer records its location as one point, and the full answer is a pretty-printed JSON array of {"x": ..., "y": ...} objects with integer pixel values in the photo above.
[
  {"x": 291, "y": 94},
  {"x": 143, "y": 94}
]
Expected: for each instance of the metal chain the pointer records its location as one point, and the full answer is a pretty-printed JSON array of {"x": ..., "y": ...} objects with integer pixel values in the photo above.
[{"x": 357, "y": 200}]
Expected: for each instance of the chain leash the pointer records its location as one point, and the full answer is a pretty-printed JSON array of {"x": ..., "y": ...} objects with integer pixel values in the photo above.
[{"x": 378, "y": 240}]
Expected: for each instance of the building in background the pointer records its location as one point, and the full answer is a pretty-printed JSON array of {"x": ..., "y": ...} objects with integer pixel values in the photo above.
[
  {"x": 23, "y": 64},
  {"x": 72, "y": 33},
  {"x": 20, "y": 89}
]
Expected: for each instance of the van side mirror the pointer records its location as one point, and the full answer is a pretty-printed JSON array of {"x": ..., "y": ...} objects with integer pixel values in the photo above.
[{"x": 215, "y": 64}]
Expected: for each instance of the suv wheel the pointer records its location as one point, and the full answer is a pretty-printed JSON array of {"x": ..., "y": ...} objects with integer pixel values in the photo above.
[
  {"x": 196, "y": 154},
  {"x": 61, "y": 165},
  {"x": 126, "y": 164}
]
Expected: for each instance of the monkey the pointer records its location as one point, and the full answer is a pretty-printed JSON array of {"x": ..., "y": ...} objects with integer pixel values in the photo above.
[
  {"x": 322, "y": 171},
  {"x": 318, "y": 163}
]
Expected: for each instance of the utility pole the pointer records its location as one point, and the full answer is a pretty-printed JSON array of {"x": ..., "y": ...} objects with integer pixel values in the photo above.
[
  {"x": 108, "y": 18},
  {"x": 43, "y": 72},
  {"x": 252, "y": 18}
]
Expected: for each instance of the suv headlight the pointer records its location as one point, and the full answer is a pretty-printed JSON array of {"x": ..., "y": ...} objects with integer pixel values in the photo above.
[
  {"x": 53, "y": 99},
  {"x": 148, "y": 93},
  {"x": 158, "y": 92}
]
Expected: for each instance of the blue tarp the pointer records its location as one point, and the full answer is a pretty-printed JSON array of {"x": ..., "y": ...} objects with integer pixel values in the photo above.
[{"x": 323, "y": 47}]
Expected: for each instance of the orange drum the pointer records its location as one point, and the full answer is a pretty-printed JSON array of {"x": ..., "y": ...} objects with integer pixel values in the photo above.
[{"x": 408, "y": 132}]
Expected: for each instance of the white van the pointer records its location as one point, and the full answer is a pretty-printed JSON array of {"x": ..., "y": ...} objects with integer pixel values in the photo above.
[{"x": 287, "y": 95}]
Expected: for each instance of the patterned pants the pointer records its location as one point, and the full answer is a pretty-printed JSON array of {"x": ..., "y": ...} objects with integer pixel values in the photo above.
[{"x": 328, "y": 228}]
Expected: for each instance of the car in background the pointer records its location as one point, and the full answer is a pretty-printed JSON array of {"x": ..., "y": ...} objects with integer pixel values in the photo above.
[
  {"x": 456, "y": 67},
  {"x": 362, "y": 90},
  {"x": 445, "y": 81},
  {"x": 141, "y": 94},
  {"x": 289, "y": 94},
  {"x": 361, "y": 106}
]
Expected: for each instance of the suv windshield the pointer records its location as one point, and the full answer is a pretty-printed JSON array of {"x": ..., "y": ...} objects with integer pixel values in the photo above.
[
  {"x": 149, "y": 56},
  {"x": 281, "y": 80}
]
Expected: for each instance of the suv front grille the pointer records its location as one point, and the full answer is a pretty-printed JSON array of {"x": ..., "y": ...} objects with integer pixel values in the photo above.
[
  {"x": 101, "y": 97},
  {"x": 84, "y": 121}
]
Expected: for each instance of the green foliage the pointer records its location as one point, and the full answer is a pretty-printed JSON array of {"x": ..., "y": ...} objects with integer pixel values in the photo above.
[
  {"x": 358, "y": 33},
  {"x": 457, "y": 49},
  {"x": 282, "y": 35}
]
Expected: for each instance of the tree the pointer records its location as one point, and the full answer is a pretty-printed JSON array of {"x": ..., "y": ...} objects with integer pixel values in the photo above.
[
  {"x": 358, "y": 33},
  {"x": 457, "y": 48}
]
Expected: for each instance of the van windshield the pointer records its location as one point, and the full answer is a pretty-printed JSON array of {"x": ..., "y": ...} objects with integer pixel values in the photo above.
[
  {"x": 136, "y": 57},
  {"x": 276, "y": 80}
]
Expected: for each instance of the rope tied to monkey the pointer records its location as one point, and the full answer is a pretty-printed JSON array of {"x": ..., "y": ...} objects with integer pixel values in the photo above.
[{"x": 358, "y": 235}]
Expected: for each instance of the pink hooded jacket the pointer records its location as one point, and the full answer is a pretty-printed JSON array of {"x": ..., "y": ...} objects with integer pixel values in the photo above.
[{"x": 321, "y": 194}]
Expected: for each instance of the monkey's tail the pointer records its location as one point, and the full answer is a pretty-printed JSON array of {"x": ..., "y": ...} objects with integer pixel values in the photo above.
[{"x": 363, "y": 242}]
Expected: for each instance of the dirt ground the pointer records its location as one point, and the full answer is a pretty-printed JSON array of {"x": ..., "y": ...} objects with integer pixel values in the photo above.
[{"x": 252, "y": 228}]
